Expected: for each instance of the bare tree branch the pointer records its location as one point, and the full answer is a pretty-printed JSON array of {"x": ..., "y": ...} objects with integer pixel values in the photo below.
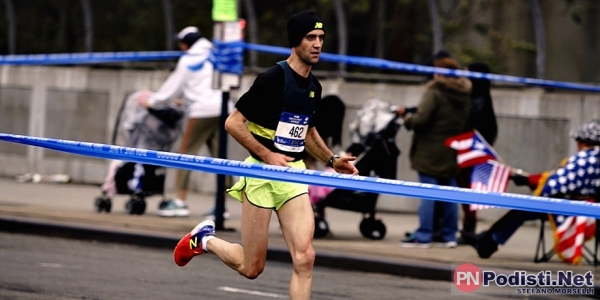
[{"x": 540, "y": 38}]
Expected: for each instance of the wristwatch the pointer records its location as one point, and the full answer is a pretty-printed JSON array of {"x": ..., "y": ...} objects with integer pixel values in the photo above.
[{"x": 331, "y": 159}]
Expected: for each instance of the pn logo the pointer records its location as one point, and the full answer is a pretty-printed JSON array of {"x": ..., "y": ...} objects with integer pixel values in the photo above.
[
  {"x": 319, "y": 25},
  {"x": 311, "y": 94},
  {"x": 467, "y": 278}
]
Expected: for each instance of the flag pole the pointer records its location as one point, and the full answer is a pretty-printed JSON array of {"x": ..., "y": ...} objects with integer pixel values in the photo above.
[{"x": 512, "y": 170}]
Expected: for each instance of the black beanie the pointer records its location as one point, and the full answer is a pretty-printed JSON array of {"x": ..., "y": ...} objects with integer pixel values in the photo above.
[
  {"x": 300, "y": 24},
  {"x": 191, "y": 38}
]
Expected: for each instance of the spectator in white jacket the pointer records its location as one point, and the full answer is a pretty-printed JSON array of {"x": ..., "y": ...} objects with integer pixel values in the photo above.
[{"x": 192, "y": 81}]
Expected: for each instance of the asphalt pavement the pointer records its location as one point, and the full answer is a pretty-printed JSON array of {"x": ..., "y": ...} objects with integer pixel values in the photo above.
[
  {"x": 67, "y": 210},
  {"x": 77, "y": 269}
]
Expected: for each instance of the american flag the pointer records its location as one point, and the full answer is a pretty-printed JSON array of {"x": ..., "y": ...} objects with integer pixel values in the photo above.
[
  {"x": 472, "y": 149},
  {"x": 571, "y": 232},
  {"x": 491, "y": 177},
  {"x": 579, "y": 176}
]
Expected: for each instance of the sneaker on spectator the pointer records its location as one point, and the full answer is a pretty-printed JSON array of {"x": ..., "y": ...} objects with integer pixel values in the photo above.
[
  {"x": 412, "y": 242},
  {"x": 482, "y": 242},
  {"x": 439, "y": 242},
  {"x": 191, "y": 244},
  {"x": 485, "y": 245},
  {"x": 464, "y": 236},
  {"x": 437, "y": 238},
  {"x": 443, "y": 244},
  {"x": 173, "y": 208}
]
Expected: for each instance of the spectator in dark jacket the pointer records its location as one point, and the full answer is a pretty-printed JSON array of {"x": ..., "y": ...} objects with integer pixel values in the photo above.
[
  {"x": 483, "y": 119},
  {"x": 442, "y": 113}
]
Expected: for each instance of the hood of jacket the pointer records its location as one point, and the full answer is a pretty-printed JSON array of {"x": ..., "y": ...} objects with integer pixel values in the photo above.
[
  {"x": 455, "y": 88},
  {"x": 460, "y": 85}
]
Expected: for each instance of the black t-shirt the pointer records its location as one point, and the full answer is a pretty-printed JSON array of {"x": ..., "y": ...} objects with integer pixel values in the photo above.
[{"x": 262, "y": 104}]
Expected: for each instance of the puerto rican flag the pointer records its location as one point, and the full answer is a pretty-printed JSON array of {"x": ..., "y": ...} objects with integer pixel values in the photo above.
[{"x": 472, "y": 149}]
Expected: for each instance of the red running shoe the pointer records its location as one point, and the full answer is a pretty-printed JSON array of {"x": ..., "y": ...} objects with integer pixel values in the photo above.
[{"x": 191, "y": 244}]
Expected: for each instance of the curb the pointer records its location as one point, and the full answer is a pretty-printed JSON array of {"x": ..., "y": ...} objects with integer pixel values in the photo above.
[{"x": 405, "y": 268}]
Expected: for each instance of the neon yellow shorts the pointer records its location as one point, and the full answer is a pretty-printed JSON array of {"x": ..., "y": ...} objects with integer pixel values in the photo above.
[{"x": 268, "y": 193}]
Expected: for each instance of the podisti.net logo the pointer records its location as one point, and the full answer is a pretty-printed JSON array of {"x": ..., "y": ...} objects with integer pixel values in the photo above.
[{"x": 467, "y": 278}]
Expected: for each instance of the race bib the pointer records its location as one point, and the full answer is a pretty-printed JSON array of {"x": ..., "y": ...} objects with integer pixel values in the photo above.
[{"x": 291, "y": 132}]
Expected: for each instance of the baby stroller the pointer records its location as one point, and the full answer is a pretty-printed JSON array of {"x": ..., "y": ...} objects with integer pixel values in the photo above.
[
  {"x": 373, "y": 135},
  {"x": 138, "y": 127}
]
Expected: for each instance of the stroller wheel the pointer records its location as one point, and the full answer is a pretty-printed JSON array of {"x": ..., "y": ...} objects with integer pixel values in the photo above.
[
  {"x": 141, "y": 207},
  {"x": 372, "y": 229},
  {"x": 136, "y": 205},
  {"x": 103, "y": 203},
  {"x": 321, "y": 227}
]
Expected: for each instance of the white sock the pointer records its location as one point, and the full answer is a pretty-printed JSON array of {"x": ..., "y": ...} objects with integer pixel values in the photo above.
[
  {"x": 205, "y": 240},
  {"x": 179, "y": 202}
]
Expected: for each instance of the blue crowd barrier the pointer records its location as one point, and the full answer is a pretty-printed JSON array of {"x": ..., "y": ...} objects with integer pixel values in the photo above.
[
  {"x": 228, "y": 58},
  {"x": 368, "y": 184}
]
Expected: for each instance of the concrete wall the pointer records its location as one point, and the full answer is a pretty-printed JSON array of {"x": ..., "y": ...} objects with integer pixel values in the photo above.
[{"x": 79, "y": 103}]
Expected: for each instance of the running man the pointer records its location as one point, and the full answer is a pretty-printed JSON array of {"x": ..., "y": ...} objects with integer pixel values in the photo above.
[{"x": 281, "y": 108}]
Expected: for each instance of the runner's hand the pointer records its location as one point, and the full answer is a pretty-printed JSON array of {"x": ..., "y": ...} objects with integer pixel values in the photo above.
[
  {"x": 344, "y": 165},
  {"x": 278, "y": 159}
]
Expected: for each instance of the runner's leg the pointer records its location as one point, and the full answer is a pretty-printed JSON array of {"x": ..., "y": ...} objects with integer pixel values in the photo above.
[
  {"x": 297, "y": 223},
  {"x": 249, "y": 258}
]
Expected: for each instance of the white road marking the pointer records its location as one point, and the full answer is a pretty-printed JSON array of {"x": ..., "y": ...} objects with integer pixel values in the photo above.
[
  {"x": 249, "y": 292},
  {"x": 58, "y": 266},
  {"x": 51, "y": 265}
]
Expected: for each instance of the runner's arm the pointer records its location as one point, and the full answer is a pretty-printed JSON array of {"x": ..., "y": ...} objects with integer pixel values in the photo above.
[
  {"x": 317, "y": 147},
  {"x": 236, "y": 126}
]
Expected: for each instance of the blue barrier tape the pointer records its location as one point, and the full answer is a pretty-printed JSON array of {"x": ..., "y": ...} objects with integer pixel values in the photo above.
[
  {"x": 228, "y": 58},
  {"x": 413, "y": 68},
  {"x": 86, "y": 58},
  {"x": 361, "y": 183}
]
